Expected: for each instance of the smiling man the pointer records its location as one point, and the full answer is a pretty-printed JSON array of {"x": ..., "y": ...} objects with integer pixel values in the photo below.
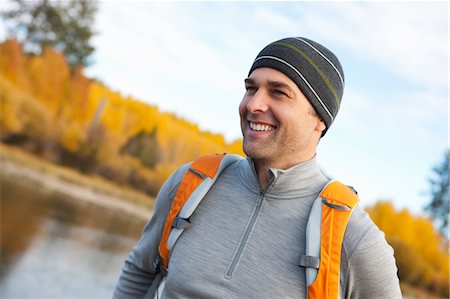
[{"x": 250, "y": 236}]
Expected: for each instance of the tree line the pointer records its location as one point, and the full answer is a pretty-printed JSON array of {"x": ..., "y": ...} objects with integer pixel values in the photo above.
[{"x": 69, "y": 119}]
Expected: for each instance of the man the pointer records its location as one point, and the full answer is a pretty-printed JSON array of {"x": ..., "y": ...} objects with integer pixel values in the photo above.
[{"x": 249, "y": 231}]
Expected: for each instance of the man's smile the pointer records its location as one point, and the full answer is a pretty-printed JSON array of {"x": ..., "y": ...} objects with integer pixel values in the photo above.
[{"x": 261, "y": 127}]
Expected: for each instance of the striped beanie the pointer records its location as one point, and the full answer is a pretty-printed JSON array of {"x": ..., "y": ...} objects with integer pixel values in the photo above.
[{"x": 314, "y": 68}]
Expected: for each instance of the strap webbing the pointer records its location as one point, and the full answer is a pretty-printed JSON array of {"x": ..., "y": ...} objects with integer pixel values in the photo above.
[
  {"x": 334, "y": 222},
  {"x": 154, "y": 287},
  {"x": 206, "y": 166}
]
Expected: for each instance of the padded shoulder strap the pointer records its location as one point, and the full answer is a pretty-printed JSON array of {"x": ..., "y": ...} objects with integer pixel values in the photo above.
[
  {"x": 196, "y": 182},
  {"x": 328, "y": 218}
]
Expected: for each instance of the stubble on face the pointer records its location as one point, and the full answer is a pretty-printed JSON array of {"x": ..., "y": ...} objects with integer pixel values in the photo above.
[{"x": 290, "y": 140}]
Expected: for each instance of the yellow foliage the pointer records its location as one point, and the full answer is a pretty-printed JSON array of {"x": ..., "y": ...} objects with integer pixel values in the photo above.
[
  {"x": 236, "y": 148},
  {"x": 163, "y": 171},
  {"x": 108, "y": 145},
  {"x": 12, "y": 64},
  {"x": 70, "y": 136},
  {"x": 421, "y": 255},
  {"x": 96, "y": 95},
  {"x": 21, "y": 113},
  {"x": 49, "y": 74},
  {"x": 93, "y": 121},
  {"x": 76, "y": 102}
]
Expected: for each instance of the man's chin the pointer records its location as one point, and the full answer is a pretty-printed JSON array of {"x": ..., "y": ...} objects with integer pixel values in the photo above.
[
  {"x": 253, "y": 152},
  {"x": 249, "y": 152}
]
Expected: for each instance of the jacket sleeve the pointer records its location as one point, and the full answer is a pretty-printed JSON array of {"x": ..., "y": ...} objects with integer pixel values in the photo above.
[
  {"x": 138, "y": 273},
  {"x": 370, "y": 271}
]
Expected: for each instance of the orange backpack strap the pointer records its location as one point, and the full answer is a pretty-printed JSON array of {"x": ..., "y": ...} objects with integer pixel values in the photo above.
[
  {"x": 337, "y": 203},
  {"x": 196, "y": 182}
]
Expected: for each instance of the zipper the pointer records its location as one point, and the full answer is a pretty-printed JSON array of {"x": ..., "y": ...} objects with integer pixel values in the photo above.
[{"x": 254, "y": 216}]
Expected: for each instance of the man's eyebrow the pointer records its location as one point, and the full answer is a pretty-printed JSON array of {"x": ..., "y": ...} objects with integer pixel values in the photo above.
[
  {"x": 278, "y": 84},
  {"x": 272, "y": 84},
  {"x": 249, "y": 81}
]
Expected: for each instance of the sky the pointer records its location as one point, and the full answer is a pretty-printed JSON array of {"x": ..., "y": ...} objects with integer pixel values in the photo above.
[{"x": 191, "y": 59}]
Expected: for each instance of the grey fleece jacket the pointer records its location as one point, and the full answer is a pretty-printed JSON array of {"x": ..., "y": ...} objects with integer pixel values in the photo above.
[{"x": 245, "y": 243}]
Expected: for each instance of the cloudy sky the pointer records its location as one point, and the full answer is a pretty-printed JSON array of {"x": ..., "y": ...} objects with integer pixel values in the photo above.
[{"x": 191, "y": 58}]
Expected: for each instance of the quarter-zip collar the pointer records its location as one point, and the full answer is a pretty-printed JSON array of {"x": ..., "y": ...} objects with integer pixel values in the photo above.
[{"x": 302, "y": 179}]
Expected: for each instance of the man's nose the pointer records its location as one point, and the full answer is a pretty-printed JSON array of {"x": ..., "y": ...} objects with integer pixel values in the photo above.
[{"x": 257, "y": 102}]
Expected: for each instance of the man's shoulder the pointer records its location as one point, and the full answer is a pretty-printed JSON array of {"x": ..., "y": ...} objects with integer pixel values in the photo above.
[
  {"x": 359, "y": 228},
  {"x": 170, "y": 186},
  {"x": 178, "y": 174},
  {"x": 367, "y": 260}
]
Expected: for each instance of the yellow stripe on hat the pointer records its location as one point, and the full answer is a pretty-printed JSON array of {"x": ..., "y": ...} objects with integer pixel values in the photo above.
[{"x": 315, "y": 66}]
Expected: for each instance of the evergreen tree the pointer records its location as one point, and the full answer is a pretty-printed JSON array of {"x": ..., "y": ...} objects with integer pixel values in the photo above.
[
  {"x": 63, "y": 25},
  {"x": 439, "y": 204}
]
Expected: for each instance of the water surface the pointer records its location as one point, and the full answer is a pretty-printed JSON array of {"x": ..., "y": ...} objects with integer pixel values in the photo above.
[{"x": 53, "y": 246}]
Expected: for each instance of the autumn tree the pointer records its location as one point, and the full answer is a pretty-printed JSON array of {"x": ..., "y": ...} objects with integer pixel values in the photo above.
[
  {"x": 421, "y": 259},
  {"x": 438, "y": 207},
  {"x": 63, "y": 25}
]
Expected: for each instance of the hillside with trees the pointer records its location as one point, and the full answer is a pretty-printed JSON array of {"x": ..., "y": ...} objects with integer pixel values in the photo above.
[{"x": 62, "y": 116}]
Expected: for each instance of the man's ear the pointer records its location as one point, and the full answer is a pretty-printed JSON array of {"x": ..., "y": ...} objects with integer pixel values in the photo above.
[{"x": 320, "y": 126}]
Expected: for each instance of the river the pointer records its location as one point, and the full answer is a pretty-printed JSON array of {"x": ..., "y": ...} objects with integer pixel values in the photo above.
[{"x": 54, "y": 246}]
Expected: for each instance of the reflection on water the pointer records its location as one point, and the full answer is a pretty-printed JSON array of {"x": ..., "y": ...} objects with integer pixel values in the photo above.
[{"x": 52, "y": 246}]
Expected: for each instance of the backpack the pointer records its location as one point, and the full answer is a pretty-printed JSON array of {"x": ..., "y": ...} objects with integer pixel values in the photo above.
[{"x": 324, "y": 231}]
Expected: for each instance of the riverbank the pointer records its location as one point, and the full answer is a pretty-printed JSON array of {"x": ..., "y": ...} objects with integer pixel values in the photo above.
[{"x": 21, "y": 165}]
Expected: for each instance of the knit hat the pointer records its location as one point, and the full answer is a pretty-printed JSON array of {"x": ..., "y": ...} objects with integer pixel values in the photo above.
[{"x": 314, "y": 68}]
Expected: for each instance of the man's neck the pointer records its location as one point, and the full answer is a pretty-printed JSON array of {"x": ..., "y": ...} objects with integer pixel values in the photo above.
[
  {"x": 262, "y": 168},
  {"x": 262, "y": 171}
]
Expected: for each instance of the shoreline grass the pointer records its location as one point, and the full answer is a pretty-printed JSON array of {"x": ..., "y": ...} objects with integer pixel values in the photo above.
[{"x": 96, "y": 183}]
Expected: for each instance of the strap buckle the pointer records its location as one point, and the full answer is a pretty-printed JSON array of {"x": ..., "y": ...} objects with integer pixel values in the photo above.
[
  {"x": 335, "y": 206},
  {"x": 308, "y": 261},
  {"x": 181, "y": 223}
]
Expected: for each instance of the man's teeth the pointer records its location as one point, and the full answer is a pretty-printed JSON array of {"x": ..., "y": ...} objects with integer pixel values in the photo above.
[{"x": 260, "y": 127}]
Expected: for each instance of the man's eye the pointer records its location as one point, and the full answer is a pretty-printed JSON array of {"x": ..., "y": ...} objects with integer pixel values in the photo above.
[
  {"x": 279, "y": 92},
  {"x": 250, "y": 88}
]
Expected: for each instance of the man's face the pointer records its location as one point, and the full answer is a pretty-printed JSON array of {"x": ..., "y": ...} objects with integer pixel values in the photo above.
[{"x": 278, "y": 123}]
